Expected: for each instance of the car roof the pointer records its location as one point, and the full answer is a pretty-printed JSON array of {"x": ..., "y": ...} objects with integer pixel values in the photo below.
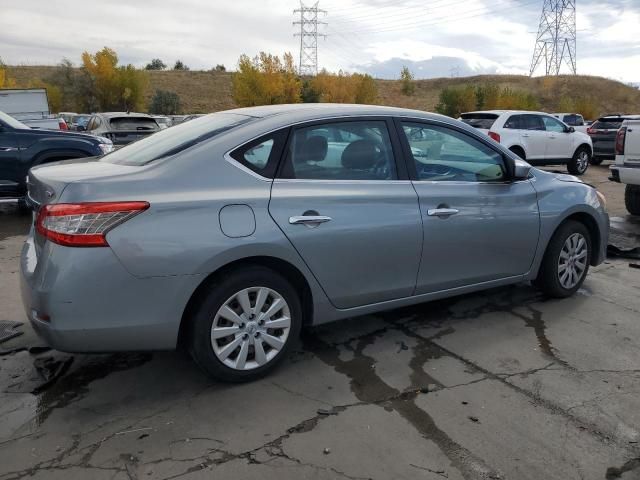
[
  {"x": 618, "y": 116},
  {"x": 500, "y": 112}
]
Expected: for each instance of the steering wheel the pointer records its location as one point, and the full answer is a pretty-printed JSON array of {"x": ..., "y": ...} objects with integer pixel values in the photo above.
[{"x": 428, "y": 170}]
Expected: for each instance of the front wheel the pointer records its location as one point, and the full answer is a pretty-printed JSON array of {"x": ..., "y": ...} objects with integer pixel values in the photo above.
[
  {"x": 580, "y": 161},
  {"x": 245, "y": 325},
  {"x": 566, "y": 261}
]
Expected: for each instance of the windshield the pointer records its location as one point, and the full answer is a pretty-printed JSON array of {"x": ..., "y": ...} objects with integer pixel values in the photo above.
[
  {"x": 479, "y": 120},
  {"x": 175, "y": 139},
  {"x": 12, "y": 122}
]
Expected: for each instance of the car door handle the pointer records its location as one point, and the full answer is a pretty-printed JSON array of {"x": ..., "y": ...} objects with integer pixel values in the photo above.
[
  {"x": 525, "y": 135},
  {"x": 308, "y": 219},
  {"x": 442, "y": 212},
  {"x": 8, "y": 149}
]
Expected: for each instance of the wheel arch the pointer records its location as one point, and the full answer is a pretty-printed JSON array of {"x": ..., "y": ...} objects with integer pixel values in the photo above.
[
  {"x": 583, "y": 145},
  {"x": 515, "y": 148},
  {"x": 59, "y": 154},
  {"x": 283, "y": 267}
]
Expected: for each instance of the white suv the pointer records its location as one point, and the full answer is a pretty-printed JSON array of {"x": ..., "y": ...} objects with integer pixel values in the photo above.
[{"x": 537, "y": 137}]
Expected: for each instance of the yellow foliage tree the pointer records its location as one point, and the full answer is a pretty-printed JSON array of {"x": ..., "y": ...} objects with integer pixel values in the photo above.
[
  {"x": 114, "y": 87},
  {"x": 344, "y": 88},
  {"x": 266, "y": 80},
  {"x": 5, "y": 80}
]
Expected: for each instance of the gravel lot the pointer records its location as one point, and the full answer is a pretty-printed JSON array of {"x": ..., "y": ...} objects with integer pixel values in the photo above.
[{"x": 501, "y": 384}]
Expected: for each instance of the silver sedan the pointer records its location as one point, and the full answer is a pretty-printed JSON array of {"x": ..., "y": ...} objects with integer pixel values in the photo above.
[{"x": 230, "y": 233}]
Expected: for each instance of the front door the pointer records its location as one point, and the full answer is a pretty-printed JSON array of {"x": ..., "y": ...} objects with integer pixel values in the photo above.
[
  {"x": 478, "y": 225},
  {"x": 352, "y": 218},
  {"x": 10, "y": 170},
  {"x": 559, "y": 140}
]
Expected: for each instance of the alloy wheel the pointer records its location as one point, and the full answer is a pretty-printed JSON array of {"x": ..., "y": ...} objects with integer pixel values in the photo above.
[
  {"x": 250, "y": 328},
  {"x": 572, "y": 261},
  {"x": 583, "y": 161}
]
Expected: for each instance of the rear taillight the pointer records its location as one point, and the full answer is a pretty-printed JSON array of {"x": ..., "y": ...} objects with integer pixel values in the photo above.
[
  {"x": 84, "y": 224},
  {"x": 495, "y": 136},
  {"x": 590, "y": 131},
  {"x": 62, "y": 124},
  {"x": 620, "y": 138}
]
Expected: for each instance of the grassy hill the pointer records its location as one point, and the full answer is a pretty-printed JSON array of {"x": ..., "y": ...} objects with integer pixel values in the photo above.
[{"x": 211, "y": 91}]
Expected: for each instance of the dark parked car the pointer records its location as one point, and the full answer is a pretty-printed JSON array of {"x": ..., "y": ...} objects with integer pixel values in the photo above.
[
  {"x": 22, "y": 147},
  {"x": 122, "y": 127},
  {"x": 603, "y": 135}
]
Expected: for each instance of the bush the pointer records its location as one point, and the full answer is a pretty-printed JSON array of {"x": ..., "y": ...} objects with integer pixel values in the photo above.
[
  {"x": 266, "y": 80},
  {"x": 344, "y": 88},
  {"x": 220, "y": 68},
  {"x": 156, "y": 64},
  {"x": 164, "y": 102},
  {"x": 455, "y": 100},
  {"x": 406, "y": 78}
]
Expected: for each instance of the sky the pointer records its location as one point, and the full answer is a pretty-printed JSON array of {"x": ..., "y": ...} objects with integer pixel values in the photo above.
[{"x": 434, "y": 38}]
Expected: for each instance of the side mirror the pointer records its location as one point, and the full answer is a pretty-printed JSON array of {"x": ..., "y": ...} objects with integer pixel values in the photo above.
[
  {"x": 521, "y": 170},
  {"x": 570, "y": 130},
  {"x": 81, "y": 128}
]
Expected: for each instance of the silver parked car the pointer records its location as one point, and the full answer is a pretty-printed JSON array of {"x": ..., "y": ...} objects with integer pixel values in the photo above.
[{"x": 231, "y": 232}]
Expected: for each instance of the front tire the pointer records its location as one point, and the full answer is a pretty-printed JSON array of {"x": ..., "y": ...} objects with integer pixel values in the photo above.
[
  {"x": 566, "y": 261},
  {"x": 580, "y": 161},
  {"x": 632, "y": 199},
  {"x": 245, "y": 325}
]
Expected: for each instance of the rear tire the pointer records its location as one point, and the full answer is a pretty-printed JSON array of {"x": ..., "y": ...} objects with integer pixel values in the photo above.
[
  {"x": 580, "y": 161},
  {"x": 233, "y": 317},
  {"x": 566, "y": 261},
  {"x": 632, "y": 199},
  {"x": 519, "y": 152}
]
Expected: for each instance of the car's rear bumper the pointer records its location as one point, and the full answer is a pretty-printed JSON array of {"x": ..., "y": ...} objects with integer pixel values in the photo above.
[
  {"x": 83, "y": 300},
  {"x": 625, "y": 174}
]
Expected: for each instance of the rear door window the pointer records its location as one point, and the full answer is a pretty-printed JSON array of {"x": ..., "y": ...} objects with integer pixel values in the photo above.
[{"x": 515, "y": 122}]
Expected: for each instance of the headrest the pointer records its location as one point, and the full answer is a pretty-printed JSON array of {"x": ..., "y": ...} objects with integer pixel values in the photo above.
[
  {"x": 312, "y": 149},
  {"x": 360, "y": 155}
]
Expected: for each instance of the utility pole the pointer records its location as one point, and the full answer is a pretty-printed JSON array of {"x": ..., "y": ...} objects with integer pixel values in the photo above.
[
  {"x": 308, "y": 34},
  {"x": 556, "y": 40}
]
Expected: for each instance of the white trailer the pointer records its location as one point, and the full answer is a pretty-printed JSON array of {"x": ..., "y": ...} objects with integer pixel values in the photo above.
[{"x": 30, "y": 106}]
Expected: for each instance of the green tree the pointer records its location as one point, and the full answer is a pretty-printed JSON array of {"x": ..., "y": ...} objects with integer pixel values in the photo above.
[
  {"x": 220, "y": 68},
  {"x": 165, "y": 102},
  {"x": 455, "y": 100},
  {"x": 366, "y": 91},
  {"x": 179, "y": 65},
  {"x": 406, "y": 78},
  {"x": 156, "y": 64}
]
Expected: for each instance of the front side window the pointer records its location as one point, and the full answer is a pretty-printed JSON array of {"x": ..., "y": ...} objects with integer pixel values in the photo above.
[
  {"x": 553, "y": 125},
  {"x": 357, "y": 150},
  {"x": 445, "y": 154}
]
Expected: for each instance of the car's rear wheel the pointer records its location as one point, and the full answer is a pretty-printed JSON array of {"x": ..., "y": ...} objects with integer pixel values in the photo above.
[
  {"x": 566, "y": 260},
  {"x": 245, "y": 325},
  {"x": 632, "y": 199},
  {"x": 519, "y": 152},
  {"x": 580, "y": 161}
]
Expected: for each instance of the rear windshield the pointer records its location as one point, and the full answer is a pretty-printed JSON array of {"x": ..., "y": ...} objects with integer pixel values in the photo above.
[
  {"x": 607, "y": 124},
  {"x": 133, "y": 123},
  {"x": 479, "y": 120},
  {"x": 175, "y": 139}
]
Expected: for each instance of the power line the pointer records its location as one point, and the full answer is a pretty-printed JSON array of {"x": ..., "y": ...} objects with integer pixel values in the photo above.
[
  {"x": 556, "y": 40},
  {"x": 309, "y": 37}
]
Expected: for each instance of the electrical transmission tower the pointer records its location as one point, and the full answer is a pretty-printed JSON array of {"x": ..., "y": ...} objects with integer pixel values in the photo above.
[
  {"x": 309, "y": 37},
  {"x": 556, "y": 41}
]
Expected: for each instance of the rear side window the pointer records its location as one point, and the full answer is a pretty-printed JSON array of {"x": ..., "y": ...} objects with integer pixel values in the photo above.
[
  {"x": 133, "y": 123},
  {"x": 479, "y": 120},
  {"x": 262, "y": 155},
  {"x": 356, "y": 150}
]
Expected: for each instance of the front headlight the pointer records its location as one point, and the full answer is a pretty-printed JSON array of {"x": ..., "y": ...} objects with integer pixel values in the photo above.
[
  {"x": 106, "y": 147},
  {"x": 602, "y": 199}
]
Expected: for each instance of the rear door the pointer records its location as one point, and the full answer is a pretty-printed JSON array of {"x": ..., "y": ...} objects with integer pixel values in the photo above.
[
  {"x": 559, "y": 141},
  {"x": 533, "y": 136},
  {"x": 349, "y": 209},
  {"x": 478, "y": 225},
  {"x": 632, "y": 142}
]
